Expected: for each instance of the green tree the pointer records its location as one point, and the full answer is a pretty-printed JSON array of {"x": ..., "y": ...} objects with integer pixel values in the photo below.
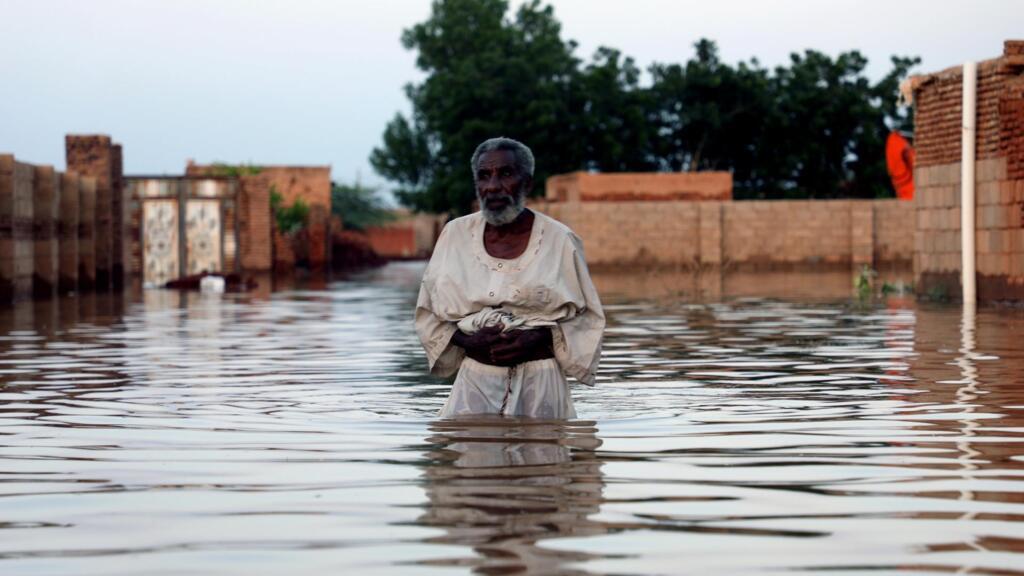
[
  {"x": 289, "y": 219},
  {"x": 615, "y": 131},
  {"x": 834, "y": 125},
  {"x": 813, "y": 128},
  {"x": 711, "y": 116},
  {"x": 358, "y": 206},
  {"x": 487, "y": 75}
]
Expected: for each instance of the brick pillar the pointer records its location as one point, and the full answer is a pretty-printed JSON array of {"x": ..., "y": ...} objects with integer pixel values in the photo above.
[
  {"x": 134, "y": 191},
  {"x": 255, "y": 232},
  {"x": 87, "y": 235},
  {"x": 92, "y": 155},
  {"x": 67, "y": 234},
  {"x": 20, "y": 247},
  {"x": 710, "y": 233},
  {"x": 118, "y": 219},
  {"x": 46, "y": 189},
  {"x": 6, "y": 228},
  {"x": 862, "y": 233}
]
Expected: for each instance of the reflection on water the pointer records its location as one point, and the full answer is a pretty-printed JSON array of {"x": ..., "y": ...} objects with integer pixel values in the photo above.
[
  {"x": 501, "y": 486},
  {"x": 293, "y": 432}
]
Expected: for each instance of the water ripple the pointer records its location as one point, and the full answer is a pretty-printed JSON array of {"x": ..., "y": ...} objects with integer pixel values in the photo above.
[{"x": 295, "y": 432}]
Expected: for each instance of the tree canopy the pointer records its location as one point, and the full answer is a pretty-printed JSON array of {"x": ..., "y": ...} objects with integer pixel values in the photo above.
[{"x": 813, "y": 128}]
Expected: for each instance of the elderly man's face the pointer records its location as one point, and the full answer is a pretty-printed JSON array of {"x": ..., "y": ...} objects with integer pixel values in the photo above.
[{"x": 500, "y": 187}]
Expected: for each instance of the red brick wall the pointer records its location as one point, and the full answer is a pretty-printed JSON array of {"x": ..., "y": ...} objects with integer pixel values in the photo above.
[
  {"x": 313, "y": 185},
  {"x": 393, "y": 242},
  {"x": 999, "y": 179},
  {"x": 939, "y": 112},
  {"x": 409, "y": 235}
]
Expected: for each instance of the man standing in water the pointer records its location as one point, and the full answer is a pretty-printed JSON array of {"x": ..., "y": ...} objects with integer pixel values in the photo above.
[{"x": 507, "y": 302}]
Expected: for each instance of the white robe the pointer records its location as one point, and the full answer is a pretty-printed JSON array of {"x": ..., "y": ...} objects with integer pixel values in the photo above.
[{"x": 547, "y": 285}]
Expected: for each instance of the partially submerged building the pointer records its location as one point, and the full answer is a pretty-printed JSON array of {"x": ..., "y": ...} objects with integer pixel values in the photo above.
[{"x": 998, "y": 178}]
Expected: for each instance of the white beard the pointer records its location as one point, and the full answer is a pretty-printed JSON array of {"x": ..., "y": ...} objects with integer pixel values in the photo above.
[{"x": 507, "y": 214}]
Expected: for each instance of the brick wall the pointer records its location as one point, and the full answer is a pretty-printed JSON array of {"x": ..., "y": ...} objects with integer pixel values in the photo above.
[
  {"x": 393, "y": 242},
  {"x": 45, "y": 239},
  {"x": 999, "y": 179},
  {"x": 893, "y": 231},
  {"x": 939, "y": 111},
  {"x": 745, "y": 234},
  {"x": 765, "y": 232},
  {"x": 627, "y": 186},
  {"x": 313, "y": 185},
  {"x": 409, "y": 235},
  {"x": 677, "y": 220}
]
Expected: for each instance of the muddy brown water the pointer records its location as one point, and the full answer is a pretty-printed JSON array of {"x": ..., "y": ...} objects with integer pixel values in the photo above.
[{"x": 294, "y": 432}]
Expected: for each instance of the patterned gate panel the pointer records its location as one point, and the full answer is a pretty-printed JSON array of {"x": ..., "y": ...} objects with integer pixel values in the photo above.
[
  {"x": 160, "y": 241},
  {"x": 203, "y": 234}
]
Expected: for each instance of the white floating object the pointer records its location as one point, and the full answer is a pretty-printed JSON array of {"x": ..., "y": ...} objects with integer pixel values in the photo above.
[{"x": 212, "y": 284}]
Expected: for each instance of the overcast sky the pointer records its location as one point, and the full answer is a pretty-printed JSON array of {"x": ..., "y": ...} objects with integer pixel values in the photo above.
[{"x": 315, "y": 81}]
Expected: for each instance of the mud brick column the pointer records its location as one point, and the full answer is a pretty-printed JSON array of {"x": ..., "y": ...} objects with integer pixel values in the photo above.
[
  {"x": 118, "y": 206},
  {"x": 862, "y": 234},
  {"x": 6, "y": 228},
  {"x": 255, "y": 229},
  {"x": 87, "y": 235},
  {"x": 92, "y": 155},
  {"x": 16, "y": 245},
  {"x": 67, "y": 234},
  {"x": 134, "y": 192},
  {"x": 44, "y": 227}
]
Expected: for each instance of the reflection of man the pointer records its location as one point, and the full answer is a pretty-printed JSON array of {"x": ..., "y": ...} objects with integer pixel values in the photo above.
[
  {"x": 504, "y": 487},
  {"x": 507, "y": 301}
]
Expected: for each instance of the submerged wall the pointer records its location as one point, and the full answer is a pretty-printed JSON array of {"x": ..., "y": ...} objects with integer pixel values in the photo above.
[{"x": 46, "y": 231}]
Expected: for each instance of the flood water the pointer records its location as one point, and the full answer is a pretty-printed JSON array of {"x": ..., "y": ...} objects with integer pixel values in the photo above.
[{"x": 294, "y": 432}]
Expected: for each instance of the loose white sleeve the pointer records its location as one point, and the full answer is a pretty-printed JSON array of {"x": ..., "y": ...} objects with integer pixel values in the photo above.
[
  {"x": 443, "y": 357},
  {"x": 577, "y": 340}
]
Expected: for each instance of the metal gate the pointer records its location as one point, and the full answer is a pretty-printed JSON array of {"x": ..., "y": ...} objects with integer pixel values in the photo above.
[{"x": 183, "y": 228}]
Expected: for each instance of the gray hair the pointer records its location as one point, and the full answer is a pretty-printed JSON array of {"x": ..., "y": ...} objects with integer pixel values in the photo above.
[{"x": 523, "y": 154}]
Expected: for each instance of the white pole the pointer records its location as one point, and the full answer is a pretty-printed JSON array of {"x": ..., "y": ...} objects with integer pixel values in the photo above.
[{"x": 967, "y": 263}]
